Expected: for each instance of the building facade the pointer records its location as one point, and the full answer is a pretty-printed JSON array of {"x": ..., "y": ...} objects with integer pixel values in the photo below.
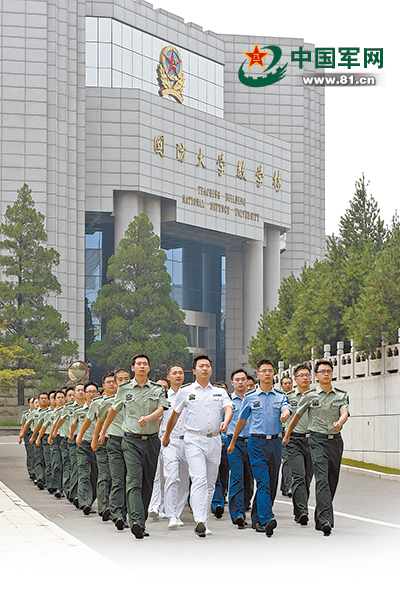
[{"x": 112, "y": 108}]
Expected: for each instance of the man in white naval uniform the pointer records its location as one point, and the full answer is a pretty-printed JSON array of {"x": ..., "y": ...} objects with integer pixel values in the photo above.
[
  {"x": 204, "y": 405},
  {"x": 176, "y": 469}
]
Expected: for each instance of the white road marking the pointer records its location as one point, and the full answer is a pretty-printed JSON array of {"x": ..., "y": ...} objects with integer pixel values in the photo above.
[{"x": 352, "y": 517}]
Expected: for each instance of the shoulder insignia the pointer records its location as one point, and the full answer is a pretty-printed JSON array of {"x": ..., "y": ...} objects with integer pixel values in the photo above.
[
  {"x": 185, "y": 385},
  {"x": 249, "y": 392},
  {"x": 125, "y": 383},
  {"x": 340, "y": 390}
]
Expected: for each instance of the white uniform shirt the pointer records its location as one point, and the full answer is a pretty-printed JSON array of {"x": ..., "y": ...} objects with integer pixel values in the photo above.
[
  {"x": 204, "y": 407},
  {"x": 179, "y": 428}
]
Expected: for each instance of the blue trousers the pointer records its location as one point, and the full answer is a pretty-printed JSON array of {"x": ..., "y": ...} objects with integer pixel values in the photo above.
[
  {"x": 265, "y": 459},
  {"x": 239, "y": 466}
]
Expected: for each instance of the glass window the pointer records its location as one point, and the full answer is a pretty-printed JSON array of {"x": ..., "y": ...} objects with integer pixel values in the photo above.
[
  {"x": 147, "y": 45},
  {"x": 202, "y": 95},
  {"x": 211, "y": 94},
  {"x": 137, "y": 41},
  {"x": 202, "y": 336},
  {"x": 117, "y": 32},
  {"x": 127, "y": 61},
  {"x": 91, "y": 77},
  {"x": 104, "y": 77},
  {"x": 127, "y": 37},
  {"x": 104, "y": 30},
  {"x": 193, "y": 64},
  {"x": 117, "y": 58},
  {"x": 104, "y": 55},
  {"x": 91, "y": 29},
  {"x": 91, "y": 54},
  {"x": 127, "y": 81},
  {"x": 117, "y": 78},
  {"x": 137, "y": 68},
  {"x": 202, "y": 67},
  {"x": 219, "y": 74},
  {"x": 190, "y": 333},
  {"x": 219, "y": 97},
  {"x": 211, "y": 71},
  {"x": 149, "y": 73}
]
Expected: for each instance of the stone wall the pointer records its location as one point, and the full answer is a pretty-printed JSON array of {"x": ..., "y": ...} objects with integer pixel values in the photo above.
[{"x": 372, "y": 433}]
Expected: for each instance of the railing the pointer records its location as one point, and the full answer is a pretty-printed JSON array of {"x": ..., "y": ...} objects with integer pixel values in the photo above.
[{"x": 355, "y": 364}]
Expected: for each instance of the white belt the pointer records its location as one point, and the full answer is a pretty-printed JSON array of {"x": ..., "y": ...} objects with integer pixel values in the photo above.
[{"x": 203, "y": 434}]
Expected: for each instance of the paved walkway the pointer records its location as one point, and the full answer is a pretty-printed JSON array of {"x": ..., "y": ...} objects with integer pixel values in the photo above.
[{"x": 30, "y": 542}]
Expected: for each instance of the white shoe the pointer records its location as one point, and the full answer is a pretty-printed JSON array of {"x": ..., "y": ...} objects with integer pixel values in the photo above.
[
  {"x": 208, "y": 531},
  {"x": 162, "y": 515},
  {"x": 153, "y": 513},
  {"x": 180, "y": 523},
  {"x": 173, "y": 522}
]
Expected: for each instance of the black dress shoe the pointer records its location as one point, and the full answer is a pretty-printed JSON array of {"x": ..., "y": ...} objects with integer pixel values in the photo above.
[
  {"x": 87, "y": 509},
  {"x": 106, "y": 514},
  {"x": 76, "y": 502},
  {"x": 270, "y": 526},
  {"x": 145, "y": 533},
  {"x": 326, "y": 529},
  {"x": 258, "y": 527},
  {"x": 120, "y": 523},
  {"x": 51, "y": 491},
  {"x": 218, "y": 512},
  {"x": 40, "y": 485},
  {"x": 137, "y": 530},
  {"x": 303, "y": 519},
  {"x": 240, "y": 522},
  {"x": 58, "y": 494}
]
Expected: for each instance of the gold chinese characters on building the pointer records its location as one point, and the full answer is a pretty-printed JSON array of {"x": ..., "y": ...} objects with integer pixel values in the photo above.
[{"x": 221, "y": 163}]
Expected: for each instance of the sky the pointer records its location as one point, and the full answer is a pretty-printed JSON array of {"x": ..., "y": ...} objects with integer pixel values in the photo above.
[{"x": 362, "y": 123}]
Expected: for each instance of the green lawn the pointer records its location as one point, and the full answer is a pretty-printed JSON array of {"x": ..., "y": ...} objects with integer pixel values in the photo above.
[{"x": 367, "y": 466}]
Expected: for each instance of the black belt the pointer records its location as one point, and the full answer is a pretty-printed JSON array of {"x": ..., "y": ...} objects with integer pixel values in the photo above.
[
  {"x": 114, "y": 437},
  {"x": 323, "y": 436},
  {"x": 143, "y": 437},
  {"x": 300, "y": 434},
  {"x": 264, "y": 436}
]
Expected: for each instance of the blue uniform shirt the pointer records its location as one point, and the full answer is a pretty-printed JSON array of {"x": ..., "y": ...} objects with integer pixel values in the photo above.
[
  {"x": 237, "y": 406},
  {"x": 264, "y": 411}
]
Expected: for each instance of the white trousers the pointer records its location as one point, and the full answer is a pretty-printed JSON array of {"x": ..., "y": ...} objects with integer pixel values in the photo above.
[
  {"x": 203, "y": 455},
  {"x": 176, "y": 478},
  {"x": 157, "y": 496}
]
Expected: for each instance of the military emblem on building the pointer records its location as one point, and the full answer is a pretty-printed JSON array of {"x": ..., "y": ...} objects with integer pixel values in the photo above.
[{"x": 170, "y": 74}]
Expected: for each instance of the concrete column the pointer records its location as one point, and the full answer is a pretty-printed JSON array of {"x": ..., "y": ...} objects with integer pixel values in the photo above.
[
  {"x": 272, "y": 266},
  {"x": 152, "y": 207},
  {"x": 252, "y": 289},
  {"x": 234, "y": 310},
  {"x": 127, "y": 205}
]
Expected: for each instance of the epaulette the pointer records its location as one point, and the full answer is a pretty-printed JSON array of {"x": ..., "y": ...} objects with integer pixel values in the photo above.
[
  {"x": 248, "y": 392},
  {"x": 308, "y": 391},
  {"x": 340, "y": 390},
  {"x": 123, "y": 384},
  {"x": 185, "y": 385}
]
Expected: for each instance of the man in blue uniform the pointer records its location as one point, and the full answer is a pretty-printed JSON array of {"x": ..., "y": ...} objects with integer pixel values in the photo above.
[
  {"x": 238, "y": 460},
  {"x": 267, "y": 408}
]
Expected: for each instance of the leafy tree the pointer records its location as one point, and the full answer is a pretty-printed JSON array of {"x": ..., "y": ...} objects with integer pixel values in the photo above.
[
  {"x": 317, "y": 310},
  {"x": 136, "y": 305},
  {"x": 377, "y": 309},
  {"x": 30, "y": 322},
  {"x": 8, "y": 357}
]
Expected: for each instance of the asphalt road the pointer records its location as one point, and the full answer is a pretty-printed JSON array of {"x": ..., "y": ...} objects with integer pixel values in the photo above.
[{"x": 359, "y": 558}]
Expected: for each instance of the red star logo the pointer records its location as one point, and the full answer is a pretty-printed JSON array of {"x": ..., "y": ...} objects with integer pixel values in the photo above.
[
  {"x": 173, "y": 63},
  {"x": 256, "y": 57}
]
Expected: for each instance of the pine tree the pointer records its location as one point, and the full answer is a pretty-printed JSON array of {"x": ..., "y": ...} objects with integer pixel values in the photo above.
[
  {"x": 136, "y": 305},
  {"x": 29, "y": 321}
]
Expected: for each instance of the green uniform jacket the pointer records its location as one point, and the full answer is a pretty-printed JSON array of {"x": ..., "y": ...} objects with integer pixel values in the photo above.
[
  {"x": 323, "y": 408},
  {"x": 136, "y": 401}
]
